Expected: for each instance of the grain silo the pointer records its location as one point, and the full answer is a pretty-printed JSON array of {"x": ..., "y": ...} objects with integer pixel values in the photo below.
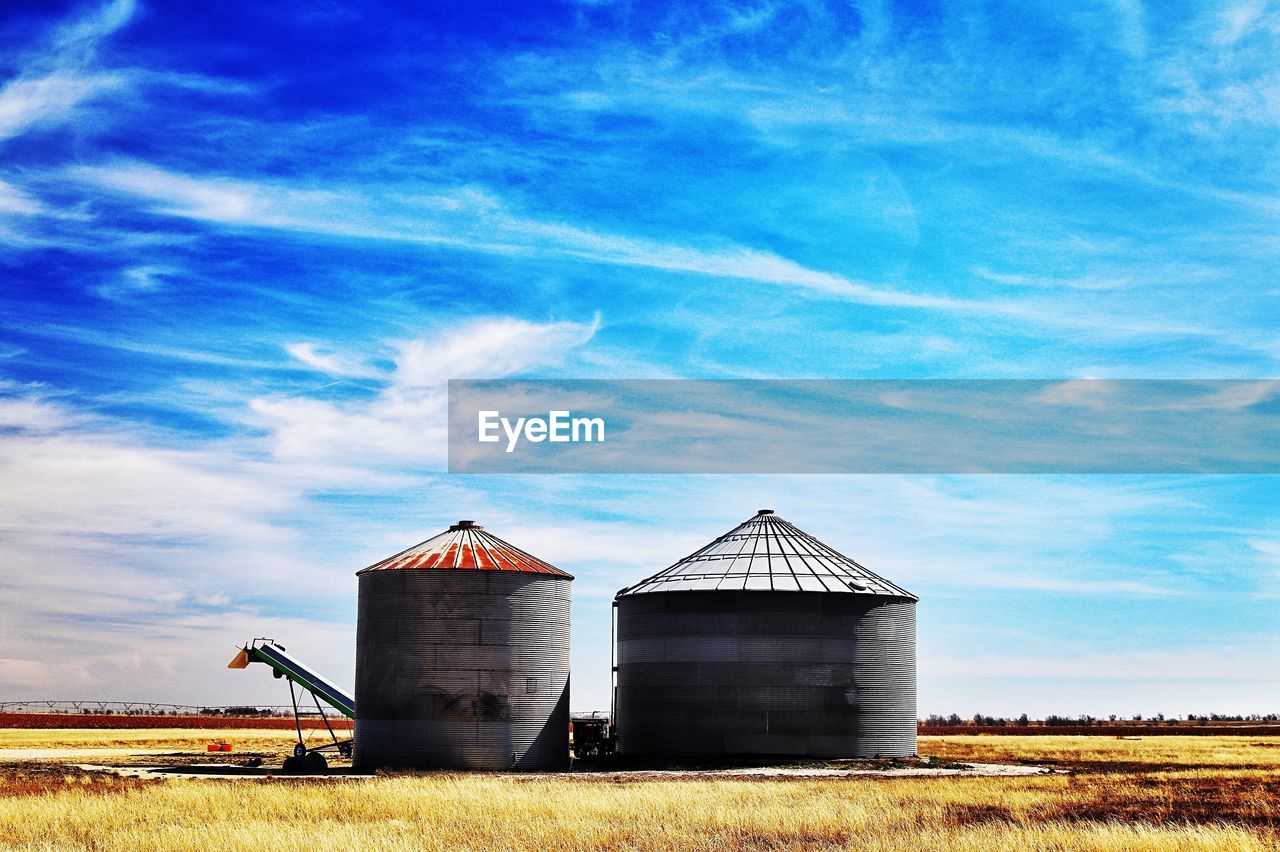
[
  {"x": 462, "y": 657},
  {"x": 766, "y": 642}
]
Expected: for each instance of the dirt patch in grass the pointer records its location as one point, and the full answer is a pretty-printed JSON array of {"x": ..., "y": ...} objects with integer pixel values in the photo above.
[
  {"x": 1131, "y": 767},
  {"x": 620, "y": 763},
  {"x": 1253, "y": 802},
  {"x": 1174, "y": 801},
  {"x": 979, "y": 814}
]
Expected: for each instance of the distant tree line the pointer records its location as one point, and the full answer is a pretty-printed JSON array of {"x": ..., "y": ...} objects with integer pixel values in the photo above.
[{"x": 980, "y": 720}]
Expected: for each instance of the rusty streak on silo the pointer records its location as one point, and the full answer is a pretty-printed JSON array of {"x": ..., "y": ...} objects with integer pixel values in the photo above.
[
  {"x": 766, "y": 642},
  {"x": 462, "y": 657}
]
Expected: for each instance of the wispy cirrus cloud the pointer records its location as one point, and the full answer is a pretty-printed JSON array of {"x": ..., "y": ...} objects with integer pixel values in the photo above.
[
  {"x": 471, "y": 219},
  {"x": 850, "y": 84},
  {"x": 27, "y": 103},
  {"x": 14, "y": 201},
  {"x": 136, "y": 281},
  {"x": 63, "y": 82},
  {"x": 475, "y": 220},
  {"x": 65, "y": 74},
  {"x": 332, "y": 363},
  {"x": 57, "y": 80}
]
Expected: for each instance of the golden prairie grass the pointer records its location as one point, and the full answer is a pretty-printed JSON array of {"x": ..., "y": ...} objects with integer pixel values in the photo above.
[
  {"x": 42, "y": 779},
  {"x": 1113, "y": 753},
  {"x": 484, "y": 812},
  {"x": 1172, "y": 795}
]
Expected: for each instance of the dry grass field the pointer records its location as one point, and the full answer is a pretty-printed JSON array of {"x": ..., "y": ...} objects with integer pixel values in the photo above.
[
  {"x": 1161, "y": 793},
  {"x": 169, "y": 739}
]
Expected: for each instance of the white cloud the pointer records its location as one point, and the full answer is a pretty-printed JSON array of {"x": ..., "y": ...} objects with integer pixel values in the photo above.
[
  {"x": 488, "y": 348},
  {"x": 122, "y": 559},
  {"x": 1122, "y": 396},
  {"x": 331, "y": 363},
  {"x": 26, "y": 103},
  {"x": 219, "y": 200},
  {"x": 1268, "y": 567},
  {"x": 14, "y": 201},
  {"x": 405, "y": 421},
  {"x": 135, "y": 281},
  {"x": 1085, "y": 392},
  {"x": 128, "y": 563},
  {"x": 87, "y": 482},
  {"x": 1129, "y": 30},
  {"x": 472, "y": 220},
  {"x": 53, "y": 84},
  {"x": 129, "y": 558},
  {"x": 1236, "y": 20},
  {"x": 1129, "y": 277},
  {"x": 84, "y": 33},
  {"x": 33, "y": 414},
  {"x": 60, "y": 84},
  {"x": 1244, "y": 662},
  {"x": 169, "y": 654}
]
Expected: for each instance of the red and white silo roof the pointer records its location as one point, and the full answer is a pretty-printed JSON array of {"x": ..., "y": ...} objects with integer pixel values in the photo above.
[{"x": 465, "y": 546}]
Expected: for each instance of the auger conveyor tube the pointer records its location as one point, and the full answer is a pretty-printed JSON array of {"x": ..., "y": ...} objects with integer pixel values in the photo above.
[{"x": 285, "y": 666}]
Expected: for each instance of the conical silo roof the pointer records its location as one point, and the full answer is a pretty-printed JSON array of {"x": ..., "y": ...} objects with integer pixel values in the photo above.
[
  {"x": 766, "y": 553},
  {"x": 465, "y": 546}
]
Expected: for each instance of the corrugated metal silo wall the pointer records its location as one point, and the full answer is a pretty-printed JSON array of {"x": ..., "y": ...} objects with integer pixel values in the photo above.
[
  {"x": 463, "y": 670},
  {"x": 767, "y": 673}
]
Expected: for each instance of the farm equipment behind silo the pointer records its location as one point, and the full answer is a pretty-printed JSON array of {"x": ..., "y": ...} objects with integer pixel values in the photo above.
[{"x": 592, "y": 734}]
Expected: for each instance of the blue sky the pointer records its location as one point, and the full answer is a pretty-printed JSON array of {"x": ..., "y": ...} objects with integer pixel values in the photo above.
[{"x": 242, "y": 249}]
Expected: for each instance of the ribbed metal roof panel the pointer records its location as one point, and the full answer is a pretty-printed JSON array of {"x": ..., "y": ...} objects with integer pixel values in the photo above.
[
  {"x": 466, "y": 546},
  {"x": 766, "y": 553}
]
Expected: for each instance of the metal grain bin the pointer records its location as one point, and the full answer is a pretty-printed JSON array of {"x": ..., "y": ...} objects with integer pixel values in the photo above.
[
  {"x": 462, "y": 657},
  {"x": 766, "y": 642}
]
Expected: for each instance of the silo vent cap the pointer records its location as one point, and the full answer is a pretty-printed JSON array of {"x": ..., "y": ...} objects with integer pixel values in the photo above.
[
  {"x": 764, "y": 511},
  {"x": 466, "y": 525}
]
